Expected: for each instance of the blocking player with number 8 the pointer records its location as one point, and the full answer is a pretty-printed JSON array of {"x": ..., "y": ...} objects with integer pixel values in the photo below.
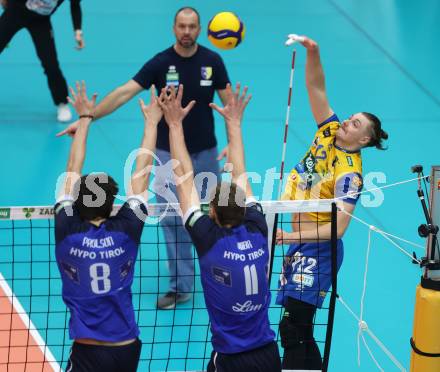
[{"x": 96, "y": 253}]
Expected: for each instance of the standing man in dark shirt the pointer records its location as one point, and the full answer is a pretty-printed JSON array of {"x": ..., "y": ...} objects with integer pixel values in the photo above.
[
  {"x": 34, "y": 15},
  {"x": 203, "y": 73}
]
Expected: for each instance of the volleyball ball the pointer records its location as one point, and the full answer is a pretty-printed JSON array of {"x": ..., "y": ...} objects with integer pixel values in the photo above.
[{"x": 225, "y": 30}]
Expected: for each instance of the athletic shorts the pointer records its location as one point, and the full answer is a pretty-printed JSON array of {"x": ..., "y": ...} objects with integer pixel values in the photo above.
[
  {"x": 307, "y": 273},
  {"x": 263, "y": 359},
  {"x": 97, "y": 358}
]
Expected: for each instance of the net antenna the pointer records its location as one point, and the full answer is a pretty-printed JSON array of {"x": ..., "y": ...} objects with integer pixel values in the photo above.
[{"x": 291, "y": 40}]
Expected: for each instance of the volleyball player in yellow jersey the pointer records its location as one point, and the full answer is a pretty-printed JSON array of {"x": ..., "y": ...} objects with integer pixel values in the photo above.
[{"x": 331, "y": 168}]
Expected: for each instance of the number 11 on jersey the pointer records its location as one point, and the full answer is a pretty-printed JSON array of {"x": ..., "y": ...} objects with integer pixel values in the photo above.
[{"x": 251, "y": 280}]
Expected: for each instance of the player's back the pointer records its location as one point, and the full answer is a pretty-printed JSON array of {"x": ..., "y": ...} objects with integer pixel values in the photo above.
[
  {"x": 233, "y": 266},
  {"x": 97, "y": 265}
]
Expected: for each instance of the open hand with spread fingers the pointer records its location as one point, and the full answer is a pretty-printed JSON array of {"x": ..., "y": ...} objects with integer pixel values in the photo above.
[
  {"x": 79, "y": 100},
  {"x": 171, "y": 104},
  {"x": 235, "y": 104},
  {"x": 152, "y": 112}
]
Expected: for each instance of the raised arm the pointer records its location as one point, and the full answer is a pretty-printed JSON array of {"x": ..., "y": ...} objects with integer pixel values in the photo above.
[
  {"x": 232, "y": 112},
  {"x": 222, "y": 93},
  {"x": 85, "y": 110},
  {"x": 174, "y": 114},
  {"x": 144, "y": 159},
  {"x": 110, "y": 103},
  {"x": 315, "y": 82},
  {"x": 117, "y": 98}
]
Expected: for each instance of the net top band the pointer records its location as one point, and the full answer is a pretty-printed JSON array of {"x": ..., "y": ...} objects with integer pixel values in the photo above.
[{"x": 158, "y": 209}]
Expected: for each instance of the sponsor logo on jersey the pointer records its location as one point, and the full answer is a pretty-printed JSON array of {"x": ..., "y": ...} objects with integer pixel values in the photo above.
[
  {"x": 247, "y": 307},
  {"x": 303, "y": 279},
  {"x": 222, "y": 276},
  {"x": 349, "y": 160},
  {"x": 172, "y": 77},
  {"x": 242, "y": 246},
  {"x": 70, "y": 271},
  {"x": 309, "y": 162},
  {"x": 357, "y": 181},
  {"x": 327, "y": 133}
]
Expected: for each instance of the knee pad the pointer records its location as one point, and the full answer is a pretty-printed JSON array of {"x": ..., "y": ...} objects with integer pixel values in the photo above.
[{"x": 289, "y": 333}]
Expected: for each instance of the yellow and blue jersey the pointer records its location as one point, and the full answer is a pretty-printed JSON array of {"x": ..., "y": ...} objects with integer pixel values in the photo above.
[{"x": 326, "y": 171}]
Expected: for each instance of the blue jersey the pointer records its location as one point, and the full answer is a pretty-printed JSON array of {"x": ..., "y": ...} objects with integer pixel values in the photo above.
[
  {"x": 234, "y": 268},
  {"x": 307, "y": 272},
  {"x": 96, "y": 266}
]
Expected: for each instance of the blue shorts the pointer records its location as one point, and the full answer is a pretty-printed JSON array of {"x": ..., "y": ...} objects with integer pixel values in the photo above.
[
  {"x": 307, "y": 273},
  {"x": 265, "y": 359},
  {"x": 99, "y": 358}
]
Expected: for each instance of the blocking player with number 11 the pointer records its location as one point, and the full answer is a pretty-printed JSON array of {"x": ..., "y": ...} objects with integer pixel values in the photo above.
[
  {"x": 231, "y": 244},
  {"x": 96, "y": 253}
]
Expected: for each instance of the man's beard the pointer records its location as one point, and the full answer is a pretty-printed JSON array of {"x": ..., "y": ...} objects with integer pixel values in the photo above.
[{"x": 188, "y": 43}]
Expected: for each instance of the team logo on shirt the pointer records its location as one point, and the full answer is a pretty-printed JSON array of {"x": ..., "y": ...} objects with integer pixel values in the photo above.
[
  {"x": 206, "y": 72},
  {"x": 327, "y": 132},
  {"x": 349, "y": 160}
]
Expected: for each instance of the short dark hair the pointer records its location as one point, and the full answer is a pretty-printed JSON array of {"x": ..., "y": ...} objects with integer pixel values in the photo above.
[
  {"x": 377, "y": 133},
  {"x": 187, "y": 8},
  {"x": 229, "y": 203},
  {"x": 95, "y": 196}
]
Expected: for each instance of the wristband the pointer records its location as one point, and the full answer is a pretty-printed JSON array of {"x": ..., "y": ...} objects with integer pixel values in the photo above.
[{"x": 87, "y": 116}]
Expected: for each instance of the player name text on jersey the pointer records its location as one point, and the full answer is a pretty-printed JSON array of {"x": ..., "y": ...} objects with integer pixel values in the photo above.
[{"x": 98, "y": 243}]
